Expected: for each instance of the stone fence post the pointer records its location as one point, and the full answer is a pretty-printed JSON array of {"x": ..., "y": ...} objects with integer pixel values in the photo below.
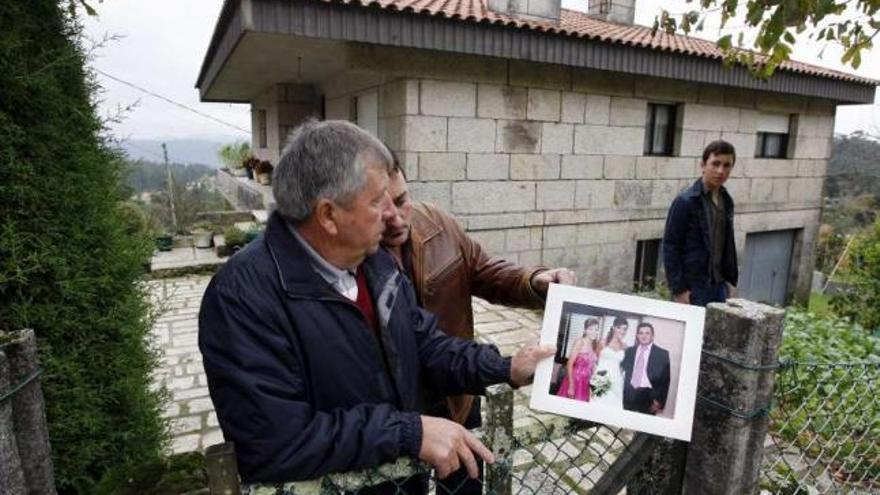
[
  {"x": 499, "y": 439},
  {"x": 21, "y": 391},
  {"x": 737, "y": 374}
]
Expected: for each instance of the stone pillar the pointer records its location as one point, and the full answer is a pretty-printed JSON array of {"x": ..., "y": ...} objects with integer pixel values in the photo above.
[
  {"x": 222, "y": 468},
  {"x": 11, "y": 475},
  {"x": 737, "y": 374},
  {"x": 276, "y": 112},
  {"x": 28, "y": 409},
  {"x": 499, "y": 439}
]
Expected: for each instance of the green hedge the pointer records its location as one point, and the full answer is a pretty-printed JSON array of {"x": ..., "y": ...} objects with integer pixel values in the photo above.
[{"x": 70, "y": 261}]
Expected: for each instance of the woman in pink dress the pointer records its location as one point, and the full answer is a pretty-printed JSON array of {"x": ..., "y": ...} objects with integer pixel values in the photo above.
[{"x": 581, "y": 363}]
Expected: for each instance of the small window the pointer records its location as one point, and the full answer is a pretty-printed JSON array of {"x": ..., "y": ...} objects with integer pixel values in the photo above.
[
  {"x": 772, "y": 139},
  {"x": 604, "y": 6},
  {"x": 647, "y": 259},
  {"x": 660, "y": 129},
  {"x": 262, "y": 129}
]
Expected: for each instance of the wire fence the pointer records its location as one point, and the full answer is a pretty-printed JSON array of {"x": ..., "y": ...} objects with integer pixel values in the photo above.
[
  {"x": 824, "y": 430},
  {"x": 545, "y": 455},
  {"x": 824, "y": 437}
]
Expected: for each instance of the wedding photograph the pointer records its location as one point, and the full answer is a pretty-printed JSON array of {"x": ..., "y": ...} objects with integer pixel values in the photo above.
[{"x": 623, "y": 360}]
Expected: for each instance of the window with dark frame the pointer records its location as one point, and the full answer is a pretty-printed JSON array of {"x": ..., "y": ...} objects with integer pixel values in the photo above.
[
  {"x": 771, "y": 145},
  {"x": 660, "y": 129},
  {"x": 772, "y": 140},
  {"x": 605, "y": 6},
  {"x": 647, "y": 262},
  {"x": 263, "y": 128}
]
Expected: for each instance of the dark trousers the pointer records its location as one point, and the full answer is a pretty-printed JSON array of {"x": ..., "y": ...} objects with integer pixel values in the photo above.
[
  {"x": 459, "y": 483},
  {"x": 701, "y": 296},
  {"x": 637, "y": 399}
]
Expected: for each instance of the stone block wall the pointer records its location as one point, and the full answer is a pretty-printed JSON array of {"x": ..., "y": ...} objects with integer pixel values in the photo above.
[{"x": 545, "y": 164}]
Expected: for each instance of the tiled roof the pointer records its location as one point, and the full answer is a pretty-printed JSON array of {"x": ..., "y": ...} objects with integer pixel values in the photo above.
[{"x": 579, "y": 24}]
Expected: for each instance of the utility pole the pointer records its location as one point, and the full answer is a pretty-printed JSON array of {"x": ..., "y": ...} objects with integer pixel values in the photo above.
[{"x": 170, "y": 187}]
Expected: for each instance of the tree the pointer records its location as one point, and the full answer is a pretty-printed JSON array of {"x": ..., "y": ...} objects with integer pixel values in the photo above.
[
  {"x": 71, "y": 259},
  {"x": 852, "y": 23}
]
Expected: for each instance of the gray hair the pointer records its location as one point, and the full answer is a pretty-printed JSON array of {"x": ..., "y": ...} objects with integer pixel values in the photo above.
[{"x": 324, "y": 160}]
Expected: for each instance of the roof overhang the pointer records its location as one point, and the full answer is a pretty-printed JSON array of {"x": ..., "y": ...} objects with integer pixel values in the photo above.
[{"x": 249, "y": 33}]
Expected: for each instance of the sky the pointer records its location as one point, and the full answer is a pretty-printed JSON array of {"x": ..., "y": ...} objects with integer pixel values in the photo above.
[{"x": 159, "y": 45}]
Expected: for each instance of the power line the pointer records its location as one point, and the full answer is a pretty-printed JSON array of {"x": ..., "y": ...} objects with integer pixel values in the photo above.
[{"x": 169, "y": 100}]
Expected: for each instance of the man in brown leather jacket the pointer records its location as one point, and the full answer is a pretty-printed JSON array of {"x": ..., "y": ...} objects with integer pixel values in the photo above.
[{"x": 447, "y": 267}]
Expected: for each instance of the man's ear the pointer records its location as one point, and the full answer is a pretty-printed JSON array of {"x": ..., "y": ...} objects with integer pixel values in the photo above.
[{"x": 326, "y": 216}]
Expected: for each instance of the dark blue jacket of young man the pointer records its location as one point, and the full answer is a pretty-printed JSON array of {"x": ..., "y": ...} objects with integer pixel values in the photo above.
[
  {"x": 298, "y": 377},
  {"x": 687, "y": 245}
]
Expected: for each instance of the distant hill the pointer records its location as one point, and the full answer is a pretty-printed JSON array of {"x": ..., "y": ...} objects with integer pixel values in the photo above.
[
  {"x": 854, "y": 167},
  {"x": 199, "y": 151}
]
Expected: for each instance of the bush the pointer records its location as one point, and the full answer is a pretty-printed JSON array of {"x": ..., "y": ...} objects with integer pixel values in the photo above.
[
  {"x": 70, "y": 259},
  {"x": 825, "y": 402},
  {"x": 862, "y": 303}
]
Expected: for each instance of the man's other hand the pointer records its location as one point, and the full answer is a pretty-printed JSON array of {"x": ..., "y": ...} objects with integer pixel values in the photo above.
[
  {"x": 541, "y": 281},
  {"x": 447, "y": 446},
  {"x": 683, "y": 297},
  {"x": 523, "y": 364}
]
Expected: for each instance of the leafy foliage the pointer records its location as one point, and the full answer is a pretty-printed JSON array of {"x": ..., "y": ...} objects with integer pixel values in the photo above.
[
  {"x": 852, "y": 168},
  {"x": 70, "y": 256},
  {"x": 862, "y": 304},
  {"x": 830, "y": 339},
  {"x": 778, "y": 22},
  {"x": 824, "y": 400},
  {"x": 234, "y": 155}
]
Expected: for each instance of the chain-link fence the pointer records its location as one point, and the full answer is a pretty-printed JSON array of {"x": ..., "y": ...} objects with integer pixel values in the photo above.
[
  {"x": 544, "y": 456},
  {"x": 824, "y": 430}
]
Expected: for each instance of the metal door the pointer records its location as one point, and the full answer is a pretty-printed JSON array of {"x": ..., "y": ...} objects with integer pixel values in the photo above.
[{"x": 767, "y": 266}]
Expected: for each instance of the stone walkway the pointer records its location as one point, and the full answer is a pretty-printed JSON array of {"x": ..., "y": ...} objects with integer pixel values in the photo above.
[{"x": 191, "y": 414}]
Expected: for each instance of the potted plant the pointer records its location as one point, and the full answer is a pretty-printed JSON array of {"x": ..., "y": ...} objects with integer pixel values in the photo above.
[
  {"x": 250, "y": 165},
  {"x": 203, "y": 234},
  {"x": 164, "y": 242},
  {"x": 263, "y": 172},
  {"x": 233, "y": 155},
  {"x": 234, "y": 238}
]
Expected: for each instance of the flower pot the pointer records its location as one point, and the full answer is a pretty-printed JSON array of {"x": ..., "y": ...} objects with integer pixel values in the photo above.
[
  {"x": 238, "y": 172},
  {"x": 264, "y": 179},
  {"x": 250, "y": 173},
  {"x": 203, "y": 239},
  {"x": 164, "y": 242}
]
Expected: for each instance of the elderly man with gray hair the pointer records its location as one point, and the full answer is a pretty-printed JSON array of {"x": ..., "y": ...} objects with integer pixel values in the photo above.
[{"x": 312, "y": 340}]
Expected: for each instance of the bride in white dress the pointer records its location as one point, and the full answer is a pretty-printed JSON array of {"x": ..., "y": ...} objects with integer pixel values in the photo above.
[{"x": 609, "y": 364}]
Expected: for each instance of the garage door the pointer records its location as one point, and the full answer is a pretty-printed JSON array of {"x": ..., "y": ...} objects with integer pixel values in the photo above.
[{"x": 767, "y": 266}]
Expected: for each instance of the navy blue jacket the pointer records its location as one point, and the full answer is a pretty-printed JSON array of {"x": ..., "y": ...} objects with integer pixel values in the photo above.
[
  {"x": 297, "y": 375},
  {"x": 687, "y": 243}
]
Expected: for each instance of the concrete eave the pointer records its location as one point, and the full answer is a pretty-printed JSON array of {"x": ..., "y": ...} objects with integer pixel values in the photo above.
[{"x": 258, "y": 43}]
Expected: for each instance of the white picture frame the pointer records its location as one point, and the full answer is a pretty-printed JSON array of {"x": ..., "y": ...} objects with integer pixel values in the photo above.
[{"x": 676, "y": 329}]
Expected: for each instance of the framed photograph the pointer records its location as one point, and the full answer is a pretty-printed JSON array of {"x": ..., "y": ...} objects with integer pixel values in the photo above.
[{"x": 621, "y": 360}]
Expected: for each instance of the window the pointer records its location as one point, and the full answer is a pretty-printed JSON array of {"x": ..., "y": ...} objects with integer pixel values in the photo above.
[
  {"x": 647, "y": 259},
  {"x": 604, "y": 6},
  {"x": 366, "y": 111},
  {"x": 772, "y": 139},
  {"x": 262, "y": 129},
  {"x": 660, "y": 129}
]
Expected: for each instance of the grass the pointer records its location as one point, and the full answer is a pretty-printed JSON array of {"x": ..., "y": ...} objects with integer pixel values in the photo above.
[{"x": 820, "y": 304}]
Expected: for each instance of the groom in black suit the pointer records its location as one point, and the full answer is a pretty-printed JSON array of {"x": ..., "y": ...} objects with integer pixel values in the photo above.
[{"x": 645, "y": 373}]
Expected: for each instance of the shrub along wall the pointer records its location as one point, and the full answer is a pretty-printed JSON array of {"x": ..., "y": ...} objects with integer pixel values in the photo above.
[{"x": 69, "y": 263}]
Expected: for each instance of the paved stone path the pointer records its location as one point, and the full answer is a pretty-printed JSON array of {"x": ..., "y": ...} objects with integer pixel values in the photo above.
[{"x": 191, "y": 414}]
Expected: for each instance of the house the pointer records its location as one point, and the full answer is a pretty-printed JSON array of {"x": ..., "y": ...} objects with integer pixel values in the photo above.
[{"x": 556, "y": 137}]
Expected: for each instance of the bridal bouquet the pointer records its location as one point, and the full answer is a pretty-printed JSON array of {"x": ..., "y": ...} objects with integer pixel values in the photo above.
[{"x": 600, "y": 384}]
